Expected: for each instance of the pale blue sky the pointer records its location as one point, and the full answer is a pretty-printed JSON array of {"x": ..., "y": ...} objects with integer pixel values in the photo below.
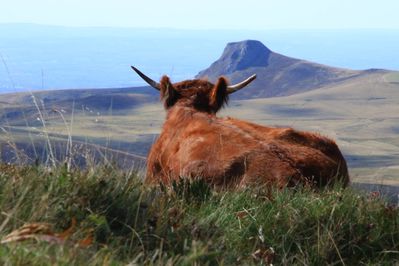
[{"x": 206, "y": 14}]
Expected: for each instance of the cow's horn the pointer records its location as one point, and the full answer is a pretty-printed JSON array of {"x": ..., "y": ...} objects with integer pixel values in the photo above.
[
  {"x": 150, "y": 82},
  {"x": 242, "y": 84}
]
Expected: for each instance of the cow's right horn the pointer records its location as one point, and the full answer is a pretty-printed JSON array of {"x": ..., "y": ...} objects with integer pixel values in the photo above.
[
  {"x": 242, "y": 84},
  {"x": 150, "y": 82}
]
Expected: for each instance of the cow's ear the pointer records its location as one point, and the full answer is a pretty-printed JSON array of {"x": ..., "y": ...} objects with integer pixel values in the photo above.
[
  {"x": 169, "y": 94},
  {"x": 219, "y": 95}
]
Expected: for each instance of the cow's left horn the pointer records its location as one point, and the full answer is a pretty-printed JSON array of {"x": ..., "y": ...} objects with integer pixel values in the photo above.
[
  {"x": 150, "y": 82},
  {"x": 242, "y": 84}
]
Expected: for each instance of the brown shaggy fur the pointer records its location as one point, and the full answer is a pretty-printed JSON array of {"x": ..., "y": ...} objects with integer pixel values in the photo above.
[{"x": 228, "y": 152}]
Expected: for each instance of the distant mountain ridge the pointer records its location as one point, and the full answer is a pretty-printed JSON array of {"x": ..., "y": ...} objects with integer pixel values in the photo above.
[{"x": 277, "y": 75}]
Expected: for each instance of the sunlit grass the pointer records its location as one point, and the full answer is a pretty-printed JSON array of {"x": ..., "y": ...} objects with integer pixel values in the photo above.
[{"x": 189, "y": 223}]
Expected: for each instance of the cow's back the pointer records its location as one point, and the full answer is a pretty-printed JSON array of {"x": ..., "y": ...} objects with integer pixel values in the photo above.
[{"x": 230, "y": 152}]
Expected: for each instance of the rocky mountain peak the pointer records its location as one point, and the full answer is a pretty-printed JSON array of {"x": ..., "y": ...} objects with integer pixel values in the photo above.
[{"x": 241, "y": 55}]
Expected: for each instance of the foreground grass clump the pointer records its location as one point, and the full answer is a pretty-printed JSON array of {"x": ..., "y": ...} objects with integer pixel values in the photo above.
[{"x": 117, "y": 220}]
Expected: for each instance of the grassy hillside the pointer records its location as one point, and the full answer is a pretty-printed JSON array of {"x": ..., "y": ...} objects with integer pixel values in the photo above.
[
  {"x": 360, "y": 114},
  {"x": 104, "y": 216},
  {"x": 96, "y": 119}
]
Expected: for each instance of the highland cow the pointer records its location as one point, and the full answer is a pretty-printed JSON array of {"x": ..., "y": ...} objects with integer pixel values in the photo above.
[{"x": 227, "y": 152}]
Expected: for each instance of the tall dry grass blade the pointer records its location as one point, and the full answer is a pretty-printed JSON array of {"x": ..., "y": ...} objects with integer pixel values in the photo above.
[
  {"x": 5, "y": 222},
  {"x": 11, "y": 142},
  {"x": 51, "y": 156},
  {"x": 336, "y": 248},
  {"x": 68, "y": 152},
  {"x": 8, "y": 71}
]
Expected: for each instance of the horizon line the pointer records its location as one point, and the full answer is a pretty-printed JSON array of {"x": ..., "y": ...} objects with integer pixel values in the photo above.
[{"x": 189, "y": 29}]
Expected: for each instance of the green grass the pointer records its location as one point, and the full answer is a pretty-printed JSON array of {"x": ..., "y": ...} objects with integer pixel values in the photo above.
[{"x": 190, "y": 223}]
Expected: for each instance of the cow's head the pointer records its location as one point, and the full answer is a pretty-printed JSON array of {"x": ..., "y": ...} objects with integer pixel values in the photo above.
[{"x": 199, "y": 94}]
